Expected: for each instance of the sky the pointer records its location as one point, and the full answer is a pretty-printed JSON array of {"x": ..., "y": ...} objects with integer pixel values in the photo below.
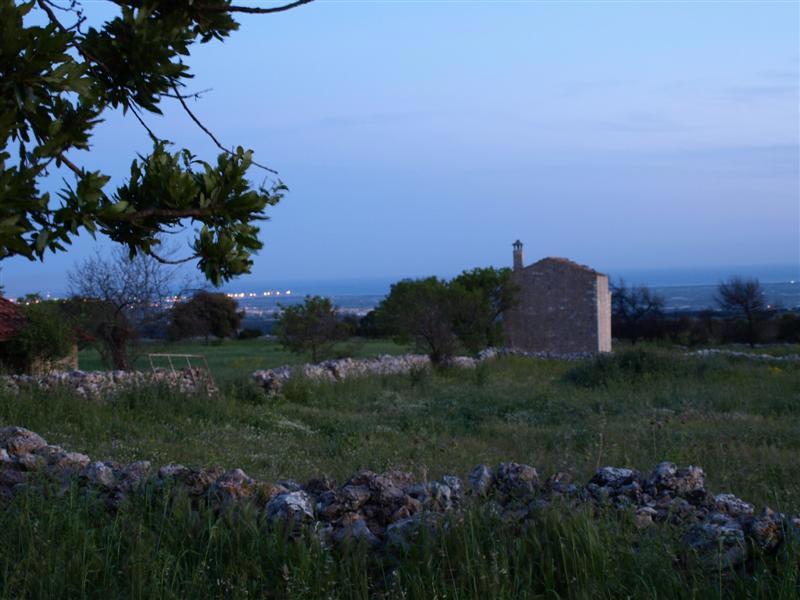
[{"x": 424, "y": 137}]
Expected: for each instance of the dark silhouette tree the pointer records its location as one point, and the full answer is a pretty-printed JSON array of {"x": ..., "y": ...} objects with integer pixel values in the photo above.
[
  {"x": 743, "y": 298},
  {"x": 57, "y": 83},
  {"x": 205, "y": 314},
  {"x": 120, "y": 295},
  {"x": 633, "y": 308},
  {"x": 312, "y": 327}
]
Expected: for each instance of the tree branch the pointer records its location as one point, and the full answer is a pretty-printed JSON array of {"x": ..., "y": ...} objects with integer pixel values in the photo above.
[
  {"x": 255, "y": 10},
  {"x": 208, "y": 132}
]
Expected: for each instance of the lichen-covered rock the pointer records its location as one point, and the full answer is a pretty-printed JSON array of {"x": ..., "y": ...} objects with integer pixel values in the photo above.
[
  {"x": 18, "y": 440},
  {"x": 719, "y": 543},
  {"x": 766, "y": 530},
  {"x": 295, "y": 509},
  {"x": 516, "y": 480},
  {"x": 229, "y": 487},
  {"x": 99, "y": 474},
  {"x": 731, "y": 505}
]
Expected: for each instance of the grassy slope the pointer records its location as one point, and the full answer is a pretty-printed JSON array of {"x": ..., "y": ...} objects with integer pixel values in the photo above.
[{"x": 737, "y": 419}]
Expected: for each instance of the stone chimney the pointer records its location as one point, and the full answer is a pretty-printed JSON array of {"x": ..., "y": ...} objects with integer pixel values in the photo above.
[{"x": 518, "y": 262}]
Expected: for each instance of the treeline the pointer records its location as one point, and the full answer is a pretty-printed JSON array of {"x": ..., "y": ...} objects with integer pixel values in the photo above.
[
  {"x": 439, "y": 317},
  {"x": 740, "y": 315}
]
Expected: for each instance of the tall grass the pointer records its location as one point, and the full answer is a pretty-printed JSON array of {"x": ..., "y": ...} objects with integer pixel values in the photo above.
[{"x": 72, "y": 547}]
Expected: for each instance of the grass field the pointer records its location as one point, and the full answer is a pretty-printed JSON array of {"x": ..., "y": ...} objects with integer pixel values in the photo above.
[
  {"x": 738, "y": 419},
  {"x": 231, "y": 359}
]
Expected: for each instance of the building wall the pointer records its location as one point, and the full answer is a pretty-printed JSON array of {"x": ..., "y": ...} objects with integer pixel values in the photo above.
[
  {"x": 603, "y": 314},
  {"x": 562, "y": 308}
]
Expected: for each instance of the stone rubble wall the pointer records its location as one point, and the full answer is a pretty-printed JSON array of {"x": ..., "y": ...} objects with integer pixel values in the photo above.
[
  {"x": 94, "y": 384},
  {"x": 739, "y": 354},
  {"x": 389, "y": 509},
  {"x": 272, "y": 380}
]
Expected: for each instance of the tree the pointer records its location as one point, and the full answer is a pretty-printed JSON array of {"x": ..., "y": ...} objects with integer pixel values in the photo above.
[
  {"x": 312, "y": 327},
  {"x": 743, "y": 298},
  {"x": 119, "y": 296},
  {"x": 632, "y": 308},
  {"x": 480, "y": 298},
  {"x": 421, "y": 311},
  {"x": 205, "y": 314},
  {"x": 59, "y": 80}
]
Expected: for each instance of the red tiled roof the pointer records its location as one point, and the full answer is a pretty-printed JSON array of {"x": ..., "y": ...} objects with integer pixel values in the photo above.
[{"x": 12, "y": 319}]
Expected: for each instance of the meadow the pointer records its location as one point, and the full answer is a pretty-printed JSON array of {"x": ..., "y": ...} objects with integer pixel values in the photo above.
[{"x": 736, "y": 418}]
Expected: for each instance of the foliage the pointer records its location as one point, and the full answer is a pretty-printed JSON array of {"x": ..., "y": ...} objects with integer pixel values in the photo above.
[
  {"x": 744, "y": 298},
  {"x": 441, "y": 316},
  {"x": 635, "y": 311},
  {"x": 205, "y": 314},
  {"x": 46, "y": 337},
  {"x": 632, "y": 365},
  {"x": 249, "y": 333},
  {"x": 481, "y": 296},
  {"x": 312, "y": 327},
  {"x": 115, "y": 297},
  {"x": 59, "y": 81},
  {"x": 421, "y": 311}
]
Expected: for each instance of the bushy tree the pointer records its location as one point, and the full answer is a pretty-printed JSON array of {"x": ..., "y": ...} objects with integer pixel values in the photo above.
[
  {"x": 312, "y": 327},
  {"x": 743, "y": 298},
  {"x": 480, "y": 297},
  {"x": 205, "y": 314},
  {"x": 636, "y": 311},
  {"x": 421, "y": 311},
  {"x": 58, "y": 81},
  {"x": 442, "y": 316}
]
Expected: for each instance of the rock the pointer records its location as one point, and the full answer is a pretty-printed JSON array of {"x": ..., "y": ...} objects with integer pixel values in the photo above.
[
  {"x": 30, "y": 462},
  {"x": 644, "y": 516},
  {"x": 481, "y": 480},
  {"x": 766, "y": 530},
  {"x": 227, "y": 488},
  {"x": 719, "y": 543},
  {"x": 295, "y": 509},
  {"x": 358, "y": 531},
  {"x": 614, "y": 477},
  {"x": 18, "y": 440},
  {"x": 731, "y": 505},
  {"x": 99, "y": 474},
  {"x": 70, "y": 462},
  {"x": 516, "y": 480}
]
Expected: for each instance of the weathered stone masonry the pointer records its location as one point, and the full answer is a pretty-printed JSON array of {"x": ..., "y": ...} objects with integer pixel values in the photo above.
[{"x": 563, "y": 307}]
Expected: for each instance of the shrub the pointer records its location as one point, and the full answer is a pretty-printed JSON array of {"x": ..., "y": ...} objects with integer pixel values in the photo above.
[
  {"x": 629, "y": 365},
  {"x": 46, "y": 336},
  {"x": 249, "y": 333}
]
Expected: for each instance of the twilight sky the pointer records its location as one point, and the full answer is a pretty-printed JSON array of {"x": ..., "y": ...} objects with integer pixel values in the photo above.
[{"x": 423, "y": 137}]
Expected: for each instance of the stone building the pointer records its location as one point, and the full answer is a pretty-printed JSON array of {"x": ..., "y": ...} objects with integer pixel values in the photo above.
[{"x": 562, "y": 307}]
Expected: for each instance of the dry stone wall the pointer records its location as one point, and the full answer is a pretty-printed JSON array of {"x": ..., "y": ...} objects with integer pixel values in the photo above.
[
  {"x": 95, "y": 384},
  {"x": 388, "y": 509}
]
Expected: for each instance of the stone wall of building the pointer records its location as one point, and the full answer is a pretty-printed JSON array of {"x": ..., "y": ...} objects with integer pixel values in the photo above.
[
  {"x": 563, "y": 307},
  {"x": 603, "y": 314}
]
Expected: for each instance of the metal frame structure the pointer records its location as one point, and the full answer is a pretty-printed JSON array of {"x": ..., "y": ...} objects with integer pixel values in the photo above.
[{"x": 188, "y": 358}]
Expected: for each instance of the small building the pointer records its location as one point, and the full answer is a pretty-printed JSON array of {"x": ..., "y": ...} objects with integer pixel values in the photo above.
[{"x": 562, "y": 307}]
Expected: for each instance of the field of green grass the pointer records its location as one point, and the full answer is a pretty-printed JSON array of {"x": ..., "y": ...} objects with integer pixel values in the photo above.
[
  {"x": 230, "y": 359},
  {"x": 738, "y": 419}
]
